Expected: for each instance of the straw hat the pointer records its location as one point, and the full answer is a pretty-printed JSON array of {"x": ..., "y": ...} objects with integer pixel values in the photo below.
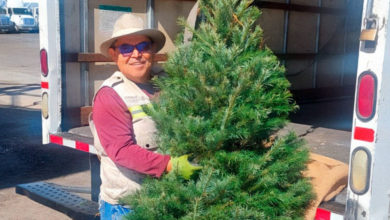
[{"x": 130, "y": 24}]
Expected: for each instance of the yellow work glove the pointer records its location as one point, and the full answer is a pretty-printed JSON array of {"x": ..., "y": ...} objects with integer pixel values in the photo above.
[{"x": 182, "y": 166}]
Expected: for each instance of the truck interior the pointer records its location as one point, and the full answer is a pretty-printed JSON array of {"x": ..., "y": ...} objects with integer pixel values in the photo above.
[{"x": 317, "y": 41}]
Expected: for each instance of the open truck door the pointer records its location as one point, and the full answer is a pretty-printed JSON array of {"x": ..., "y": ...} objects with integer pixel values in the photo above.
[{"x": 369, "y": 180}]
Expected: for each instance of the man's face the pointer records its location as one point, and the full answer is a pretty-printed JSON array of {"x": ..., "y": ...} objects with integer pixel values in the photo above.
[{"x": 134, "y": 65}]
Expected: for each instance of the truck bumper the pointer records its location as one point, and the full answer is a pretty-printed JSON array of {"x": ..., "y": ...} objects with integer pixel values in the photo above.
[
  {"x": 6, "y": 28},
  {"x": 26, "y": 28}
]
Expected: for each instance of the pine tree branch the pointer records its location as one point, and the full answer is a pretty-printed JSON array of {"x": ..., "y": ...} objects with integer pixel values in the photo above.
[
  {"x": 196, "y": 33},
  {"x": 202, "y": 195},
  {"x": 237, "y": 20},
  {"x": 232, "y": 100}
]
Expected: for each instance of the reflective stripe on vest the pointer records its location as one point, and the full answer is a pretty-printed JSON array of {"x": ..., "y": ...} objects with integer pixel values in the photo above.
[{"x": 137, "y": 111}]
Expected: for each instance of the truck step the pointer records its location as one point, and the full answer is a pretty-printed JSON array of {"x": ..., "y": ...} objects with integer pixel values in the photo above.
[{"x": 59, "y": 199}]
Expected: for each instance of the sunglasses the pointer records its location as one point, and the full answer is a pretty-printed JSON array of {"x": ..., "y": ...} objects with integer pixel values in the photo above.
[{"x": 127, "y": 49}]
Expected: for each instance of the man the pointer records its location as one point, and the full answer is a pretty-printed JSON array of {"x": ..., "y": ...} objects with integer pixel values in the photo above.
[{"x": 123, "y": 133}]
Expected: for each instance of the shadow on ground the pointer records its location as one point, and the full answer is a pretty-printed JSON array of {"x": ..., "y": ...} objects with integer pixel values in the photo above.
[
  {"x": 22, "y": 156},
  {"x": 12, "y": 89},
  {"x": 26, "y": 95}
]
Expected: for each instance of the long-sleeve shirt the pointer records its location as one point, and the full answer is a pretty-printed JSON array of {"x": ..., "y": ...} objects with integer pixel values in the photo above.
[{"x": 114, "y": 127}]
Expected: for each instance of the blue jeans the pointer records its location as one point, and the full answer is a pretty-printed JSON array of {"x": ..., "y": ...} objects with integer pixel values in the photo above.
[{"x": 112, "y": 212}]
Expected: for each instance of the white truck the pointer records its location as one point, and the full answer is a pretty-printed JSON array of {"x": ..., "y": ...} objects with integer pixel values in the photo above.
[
  {"x": 33, "y": 7},
  {"x": 35, "y": 14},
  {"x": 22, "y": 19},
  {"x": 333, "y": 50},
  {"x": 21, "y": 16},
  {"x": 6, "y": 25}
]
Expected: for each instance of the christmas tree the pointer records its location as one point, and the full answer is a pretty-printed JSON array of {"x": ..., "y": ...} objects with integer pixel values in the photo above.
[{"x": 225, "y": 97}]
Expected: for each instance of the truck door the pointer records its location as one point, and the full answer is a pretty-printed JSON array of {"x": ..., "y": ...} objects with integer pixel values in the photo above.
[{"x": 369, "y": 179}]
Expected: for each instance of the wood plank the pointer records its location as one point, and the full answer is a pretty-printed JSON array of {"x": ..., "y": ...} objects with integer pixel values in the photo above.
[
  {"x": 92, "y": 57},
  {"x": 84, "y": 114},
  {"x": 97, "y": 57},
  {"x": 295, "y": 7},
  {"x": 301, "y": 8},
  {"x": 304, "y": 56}
]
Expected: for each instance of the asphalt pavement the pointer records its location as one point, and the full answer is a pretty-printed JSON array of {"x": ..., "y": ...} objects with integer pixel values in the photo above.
[{"x": 23, "y": 158}]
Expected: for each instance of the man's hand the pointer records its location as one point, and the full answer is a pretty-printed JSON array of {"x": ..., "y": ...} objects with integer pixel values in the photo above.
[{"x": 182, "y": 166}]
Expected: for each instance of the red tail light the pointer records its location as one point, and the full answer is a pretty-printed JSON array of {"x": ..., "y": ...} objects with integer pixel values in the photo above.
[
  {"x": 366, "y": 97},
  {"x": 44, "y": 67}
]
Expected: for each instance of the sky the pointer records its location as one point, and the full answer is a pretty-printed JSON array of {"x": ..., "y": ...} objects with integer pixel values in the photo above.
[
  {"x": 16, "y": 3},
  {"x": 2, "y": 2},
  {"x": 25, "y": 0}
]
